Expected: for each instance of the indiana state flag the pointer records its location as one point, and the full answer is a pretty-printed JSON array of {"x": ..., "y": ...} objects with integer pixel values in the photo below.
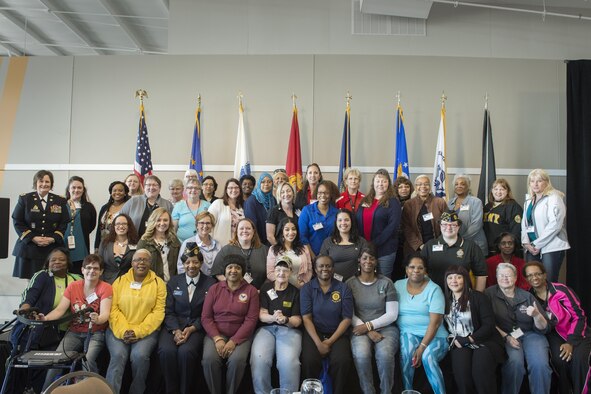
[
  {"x": 196, "y": 161},
  {"x": 401, "y": 167}
]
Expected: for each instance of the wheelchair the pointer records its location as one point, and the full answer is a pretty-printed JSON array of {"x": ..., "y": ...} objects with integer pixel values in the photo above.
[{"x": 24, "y": 356}]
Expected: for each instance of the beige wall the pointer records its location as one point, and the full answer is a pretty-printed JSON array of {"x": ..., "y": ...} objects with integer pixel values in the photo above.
[{"x": 79, "y": 116}]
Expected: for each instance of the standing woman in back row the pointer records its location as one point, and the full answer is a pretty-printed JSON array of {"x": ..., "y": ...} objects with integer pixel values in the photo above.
[
  {"x": 379, "y": 219},
  {"x": 469, "y": 210},
  {"x": 306, "y": 195},
  {"x": 543, "y": 228},
  {"x": 501, "y": 214},
  {"x": 82, "y": 222},
  {"x": 40, "y": 219}
]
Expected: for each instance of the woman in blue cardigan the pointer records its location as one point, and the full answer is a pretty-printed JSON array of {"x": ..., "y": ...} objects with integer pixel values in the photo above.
[{"x": 378, "y": 218}]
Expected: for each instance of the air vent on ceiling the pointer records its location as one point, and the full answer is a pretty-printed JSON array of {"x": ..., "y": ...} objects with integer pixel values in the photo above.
[{"x": 385, "y": 25}]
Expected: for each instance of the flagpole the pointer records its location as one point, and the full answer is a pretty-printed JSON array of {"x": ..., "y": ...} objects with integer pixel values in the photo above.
[
  {"x": 486, "y": 169},
  {"x": 443, "y": 100}
]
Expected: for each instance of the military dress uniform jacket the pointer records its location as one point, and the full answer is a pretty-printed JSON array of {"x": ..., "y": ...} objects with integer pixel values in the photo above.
[{"x": 31, "y": 220}]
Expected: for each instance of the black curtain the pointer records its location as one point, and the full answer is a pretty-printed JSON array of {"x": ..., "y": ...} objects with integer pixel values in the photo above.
[{"x": 578, "y": 185}]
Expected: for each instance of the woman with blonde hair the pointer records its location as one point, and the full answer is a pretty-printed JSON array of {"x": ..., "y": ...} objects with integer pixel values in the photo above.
[
  {"x": 543, "y": 228},
  {"x": 285, "y": 208},
  {"x": 134, "y": 184},
  {"x": 351, "y": 198},
  {"x": 161, "y": 241},
  {"x": 501, "y": 214}
]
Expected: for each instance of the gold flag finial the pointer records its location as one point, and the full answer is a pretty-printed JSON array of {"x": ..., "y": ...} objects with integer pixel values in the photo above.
[
  {"x": 348, "y": 97},
  {"x": 293, "y": 99},
  {"x": 398, "y": 98},
  {"x": 443, "y": 98},
  {"x": 486, "y": 100},
  {"x": 199, "y": 99},
  {"x": 141, "y": 93}
]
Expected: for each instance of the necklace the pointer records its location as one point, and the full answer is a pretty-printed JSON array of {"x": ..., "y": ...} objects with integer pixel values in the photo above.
[{"x": 122, "y": 244}]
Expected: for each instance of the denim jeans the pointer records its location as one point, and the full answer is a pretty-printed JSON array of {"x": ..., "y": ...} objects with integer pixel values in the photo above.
[
  {"x": 276, "y": 341},
  {"x": 535, "y": 349},
  {"x": 74, "y": 341},
  {"x": 386, "y": 264},
  {"x": 139, "y": 353},
  {"x": 385, "y": 350},
  {"x": 552, "y": 262}
]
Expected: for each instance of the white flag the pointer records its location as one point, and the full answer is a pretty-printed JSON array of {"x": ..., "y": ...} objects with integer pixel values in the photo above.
[
  {"x": 439, "y": 168},
  {"x": 241, "y": 161}
]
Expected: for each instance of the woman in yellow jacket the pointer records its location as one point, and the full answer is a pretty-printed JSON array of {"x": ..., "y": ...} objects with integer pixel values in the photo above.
[{"x": 137, "y": 312}]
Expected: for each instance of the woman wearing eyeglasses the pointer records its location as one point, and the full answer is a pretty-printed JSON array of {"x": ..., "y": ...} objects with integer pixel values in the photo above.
[
  {"x": 137, "y": 312},
  {"x": 570, "y": 338},
  {"x": 278, "y": 336},
  {"x": 520, "y": 321},
  {"x": 185, "y": 211},
  {"x": 209, "y": 247}
]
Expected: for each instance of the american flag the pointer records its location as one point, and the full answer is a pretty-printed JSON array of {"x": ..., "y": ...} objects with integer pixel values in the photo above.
[{"x": 143, "y": 154}]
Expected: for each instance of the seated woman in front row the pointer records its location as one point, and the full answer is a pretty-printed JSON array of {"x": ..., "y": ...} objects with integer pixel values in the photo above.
[
  {"x": 278, "y": 335},
  {"x": 230, "y": 315},
  {"x": 136, "y": 315},
  {"x": 422, "y": 337},
  {"x": 327, "y": 309},
  {"x": 570, "y": 338},
  {"x": 180, "y": 344},
  {"x": 522, "y": 324},
  {"x": 80, "y": 295},
  {"x": 475, "y": 345},
  {"x": 376, "y": 309}
]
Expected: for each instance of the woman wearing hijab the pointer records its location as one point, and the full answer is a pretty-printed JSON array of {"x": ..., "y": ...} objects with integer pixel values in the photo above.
[{"x": 258, "y": 205}]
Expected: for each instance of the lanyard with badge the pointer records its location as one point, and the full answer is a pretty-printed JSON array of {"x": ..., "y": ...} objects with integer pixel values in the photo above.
[
  {"x": 247, "y": 276},
  {"x": 73, "y": 213},
  {"x": 516, "y": 331}
]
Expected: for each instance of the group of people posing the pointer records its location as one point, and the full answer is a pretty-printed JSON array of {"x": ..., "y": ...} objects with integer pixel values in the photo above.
[{"x": 265, "y": 275}]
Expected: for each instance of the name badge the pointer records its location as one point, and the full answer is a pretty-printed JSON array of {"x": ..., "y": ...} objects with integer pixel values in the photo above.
[
  {"x": 464, "y": 207},
  {"x": 177, "y": 293},
  {"x": 530, "y": 229},
  {"x": 272, "y": 294},
  {"x": 248, "y": 277},
  {"x": 428, "y": 216},
  {"x": 287, "y": 304},
  {"x": 71, "y": 242},
  {"x": 317, "y": 226},
  {"x": 438, "y": 248},
  {"x": 135, "y": 285},
  {"x": 517, "y": 333},
  {"x": 338, "y": 277},
  {"x": 33, "y": 225},
  {"x": 91, "y": 298}
]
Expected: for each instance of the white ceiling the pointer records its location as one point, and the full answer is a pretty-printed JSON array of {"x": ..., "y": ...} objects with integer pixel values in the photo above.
[
  {"x": 83, "y": 27},
  {"x": 119, "y": 27}
]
